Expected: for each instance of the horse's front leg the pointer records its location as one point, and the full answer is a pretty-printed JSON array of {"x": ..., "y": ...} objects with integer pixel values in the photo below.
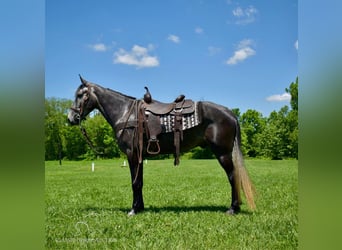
[{"x": 137, "y": 184}]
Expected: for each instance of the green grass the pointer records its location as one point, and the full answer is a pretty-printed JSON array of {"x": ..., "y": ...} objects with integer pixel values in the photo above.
[{"x": 184, "y": 207}]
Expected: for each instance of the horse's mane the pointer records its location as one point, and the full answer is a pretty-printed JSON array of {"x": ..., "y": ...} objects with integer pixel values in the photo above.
[
  {"x": 114, "y": 92},
  {"x": 119, "y": 93}
]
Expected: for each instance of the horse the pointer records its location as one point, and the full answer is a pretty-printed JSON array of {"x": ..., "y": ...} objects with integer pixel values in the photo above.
[{"x": 219, "y": 129}]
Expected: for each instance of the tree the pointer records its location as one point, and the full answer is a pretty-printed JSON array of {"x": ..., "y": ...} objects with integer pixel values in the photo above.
[
  {"x": 102, "y": 137},
  {"x": 75, "y": 145},
  {"x": 293, "y": 91},
  {"x": 201, "y": 153},
  {"x": 252, "y": 125},
  {"x": 61, "y": 140},
  {"x": 274, "y": 139},
  {"x": 293, "y": 133},
  {"x": 237, "y": 113},
  {"x": 293, "y": 119},
  {"x": 55, "y": 120},
  {"x": 280, "y": 137}
]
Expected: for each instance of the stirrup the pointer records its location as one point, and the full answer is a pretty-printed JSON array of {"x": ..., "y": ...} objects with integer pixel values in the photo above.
[{"x": 149, "y": 145}]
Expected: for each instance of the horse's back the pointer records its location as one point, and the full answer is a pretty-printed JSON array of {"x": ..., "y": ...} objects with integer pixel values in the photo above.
[{"x": 216, "y": 112}]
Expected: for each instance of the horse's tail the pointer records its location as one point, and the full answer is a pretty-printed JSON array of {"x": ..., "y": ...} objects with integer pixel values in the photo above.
[{"x": 240, "y": 172}]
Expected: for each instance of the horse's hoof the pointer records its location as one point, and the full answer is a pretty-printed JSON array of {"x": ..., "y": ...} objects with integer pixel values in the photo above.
[
  {"x": 230, "y": 211},
  {"x": 131, "y": 213},
  {"x": 233, "y": 211}
]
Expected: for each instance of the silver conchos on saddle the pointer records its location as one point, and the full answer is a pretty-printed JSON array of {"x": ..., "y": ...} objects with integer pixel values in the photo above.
[{"x": 167, "y": 121}]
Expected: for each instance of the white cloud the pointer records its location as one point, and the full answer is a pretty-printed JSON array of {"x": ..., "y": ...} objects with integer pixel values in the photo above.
[
  {"x": 99, "y": 47},
  {"x": 296, "y": 44},
  {"x": 242, "y": 52},
  {"x": 138, "y": 56},
  {"x": 198, "y": 30},
  {"x": 279, "y": 98},
  {"x": 173, "y": 38},
  {"x": 245, "y": 16},
  {"x": 238, "y": 12}
]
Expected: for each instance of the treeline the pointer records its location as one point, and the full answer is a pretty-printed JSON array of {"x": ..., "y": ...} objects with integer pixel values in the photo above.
[{"x": 273, "y": 137}]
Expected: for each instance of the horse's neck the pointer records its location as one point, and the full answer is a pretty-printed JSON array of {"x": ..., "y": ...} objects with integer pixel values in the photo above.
[{"x": 113, "y": 105}]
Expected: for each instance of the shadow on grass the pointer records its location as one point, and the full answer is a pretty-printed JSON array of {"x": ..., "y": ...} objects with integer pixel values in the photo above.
[
  {"x": 182, "y": 209},
  {"x": 173, "y": 209}
]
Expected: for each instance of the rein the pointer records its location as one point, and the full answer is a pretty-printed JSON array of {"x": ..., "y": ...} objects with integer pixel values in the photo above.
[
  {"x": 84, "y": 133},
  {"x": 122, "y": 126}
]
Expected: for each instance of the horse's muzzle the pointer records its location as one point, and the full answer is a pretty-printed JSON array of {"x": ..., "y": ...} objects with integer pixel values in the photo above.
[{"x": 73, "y": 118}]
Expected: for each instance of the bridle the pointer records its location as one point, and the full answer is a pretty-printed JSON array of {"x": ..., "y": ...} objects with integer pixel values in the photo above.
[
  {"x": 78, "y": 114},
  {"x": 79, "y": 110}
]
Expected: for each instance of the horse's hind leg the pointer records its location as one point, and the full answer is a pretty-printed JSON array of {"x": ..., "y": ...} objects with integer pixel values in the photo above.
[{"x": 227, "y": 164}]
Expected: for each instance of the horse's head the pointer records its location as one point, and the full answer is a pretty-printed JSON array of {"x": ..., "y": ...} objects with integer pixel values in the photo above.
[{"x": 85, "y": 102}]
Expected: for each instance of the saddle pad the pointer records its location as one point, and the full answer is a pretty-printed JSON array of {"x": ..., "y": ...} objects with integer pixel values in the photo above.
[
  {"x": 191, "y": 120},
  {"x": 168, "y": 121}
]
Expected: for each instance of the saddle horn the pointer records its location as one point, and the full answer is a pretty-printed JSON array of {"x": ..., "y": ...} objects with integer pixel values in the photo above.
[
  {"x": 147, "y": 96},
  {"x": 180, "y": 98}
]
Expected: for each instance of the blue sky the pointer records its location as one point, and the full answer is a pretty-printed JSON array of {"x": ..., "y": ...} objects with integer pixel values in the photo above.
[{"x": 241, "y": 54}]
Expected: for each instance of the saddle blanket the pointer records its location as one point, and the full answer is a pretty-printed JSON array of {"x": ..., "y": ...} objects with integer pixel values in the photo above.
[{"x": 167, "y": 121}]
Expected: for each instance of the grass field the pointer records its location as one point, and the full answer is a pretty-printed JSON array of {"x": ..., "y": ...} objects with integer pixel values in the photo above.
[{"x": 184, "y": 207}]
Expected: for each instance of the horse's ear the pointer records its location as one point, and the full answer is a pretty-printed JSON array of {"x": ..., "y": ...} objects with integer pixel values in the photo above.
[{"x": 84, "y": 82}]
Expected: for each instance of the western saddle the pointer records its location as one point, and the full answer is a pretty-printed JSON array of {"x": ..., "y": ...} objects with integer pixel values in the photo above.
[{"x": 150, "y": 115}]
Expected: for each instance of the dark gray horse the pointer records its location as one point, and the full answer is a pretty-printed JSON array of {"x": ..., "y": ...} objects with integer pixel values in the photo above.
[{"x": 219, "y": 129}]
